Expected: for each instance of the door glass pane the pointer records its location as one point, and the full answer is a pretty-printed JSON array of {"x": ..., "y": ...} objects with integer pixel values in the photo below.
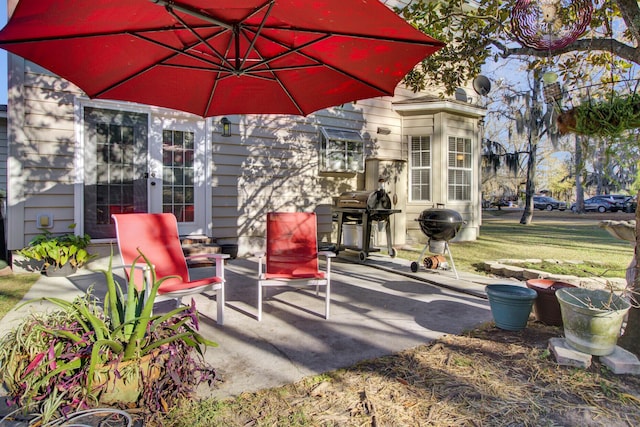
[
  {"x": 177, "y": 174},
  {"x": 115, "y": 167}
]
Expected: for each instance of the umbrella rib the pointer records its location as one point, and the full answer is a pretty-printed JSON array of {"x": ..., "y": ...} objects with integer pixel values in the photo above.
[
  {"x": 318, "y": 62},
  {"x": 293, "y": 100},
  {"x": 360, "y": 36},
  {"x": 198, "y": 14},
  {"x": 221, "y": 67},
  {"x": 354, "y": 77},
  {"x": 235, "y": 28},
  {"x": 199, "y": 37},
  {"x": 288, "y": 52},
  {"x": 170, "y": 4},
  {"x": 257, "y": 32}
]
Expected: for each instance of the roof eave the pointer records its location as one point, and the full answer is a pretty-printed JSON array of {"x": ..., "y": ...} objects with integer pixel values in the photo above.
[{"x": 436, "y": 106}]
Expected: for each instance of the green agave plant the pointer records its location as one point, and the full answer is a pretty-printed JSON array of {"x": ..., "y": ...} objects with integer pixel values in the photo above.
[{"x": 49, "y": 361}]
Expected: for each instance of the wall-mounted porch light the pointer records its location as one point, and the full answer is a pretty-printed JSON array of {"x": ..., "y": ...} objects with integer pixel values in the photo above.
[{"x": 226, "y": 126}]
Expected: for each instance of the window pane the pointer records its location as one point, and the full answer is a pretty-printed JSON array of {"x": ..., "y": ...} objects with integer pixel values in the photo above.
[
  {"x": 420, "y": 168},
  {"x": 113, "y": 181},
  {"x": 460, "y": 164},
  {"x": 178, "y": 174},
  {"x": 341, "y": 151}
]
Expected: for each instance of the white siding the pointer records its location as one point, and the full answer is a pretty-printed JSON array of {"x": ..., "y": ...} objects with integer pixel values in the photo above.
[
  {"x": 3, "y": 149},
  {"x": 41, "y": 151},
  {"x": 271, "y": 163}
]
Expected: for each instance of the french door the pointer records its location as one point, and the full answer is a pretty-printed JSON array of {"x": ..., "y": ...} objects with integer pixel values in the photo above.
[
  {"x": 177, "y": 171},
  {"x": 139, "y": 162}
]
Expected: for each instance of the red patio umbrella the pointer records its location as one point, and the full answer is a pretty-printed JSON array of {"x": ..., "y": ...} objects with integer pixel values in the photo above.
[{"x": 216, "y": 57}]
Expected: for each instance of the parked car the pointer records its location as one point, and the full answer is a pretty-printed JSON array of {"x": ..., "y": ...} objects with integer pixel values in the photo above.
[
  {"x": 600, "y": 204},
  {"x": 630, "y": 204},
  {"x": 548, "y": 203}
]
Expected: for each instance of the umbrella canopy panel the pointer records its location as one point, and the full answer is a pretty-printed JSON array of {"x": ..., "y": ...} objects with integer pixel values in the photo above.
[{"x": 221, "y": 57}]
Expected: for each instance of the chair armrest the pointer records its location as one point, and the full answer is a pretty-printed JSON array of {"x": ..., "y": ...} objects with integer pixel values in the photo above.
[
  {"x": 146, "y": 270},
  {"x": 219, "y": 258},
  {"x": 212, "y": 256},
  {"x": 327, "y": 254},
  {"x": 142, "y": 266}
]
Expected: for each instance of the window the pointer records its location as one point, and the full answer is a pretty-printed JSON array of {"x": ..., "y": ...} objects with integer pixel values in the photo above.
[
  {"x": 420, "y": 168},
  {"x": 459, "y": 168},
  {"x": 341, "y": 151},
  {"x": 178, "y": 173}
]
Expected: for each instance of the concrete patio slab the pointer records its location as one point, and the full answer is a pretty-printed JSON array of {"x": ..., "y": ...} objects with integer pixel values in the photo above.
[{"x": 378, "y": 307}]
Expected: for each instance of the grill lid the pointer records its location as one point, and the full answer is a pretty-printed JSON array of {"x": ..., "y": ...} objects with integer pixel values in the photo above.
[
  {"x": 369, "y": 200},
  {"x": 440, "y": 224}
]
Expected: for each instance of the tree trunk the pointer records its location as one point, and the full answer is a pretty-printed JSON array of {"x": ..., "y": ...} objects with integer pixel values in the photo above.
[
  {"x": 527, "y": 213},
  {"x": 631, "y": 338},
  {"x": 578, "y": 175},
  {"x": 534, "y": 125}
]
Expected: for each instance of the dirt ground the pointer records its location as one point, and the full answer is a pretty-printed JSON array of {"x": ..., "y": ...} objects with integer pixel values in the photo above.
[{"x": 485, "y": 377}]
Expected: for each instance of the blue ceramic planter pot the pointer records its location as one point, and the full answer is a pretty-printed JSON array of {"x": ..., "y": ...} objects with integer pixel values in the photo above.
[{"x": 510, "y": 305}]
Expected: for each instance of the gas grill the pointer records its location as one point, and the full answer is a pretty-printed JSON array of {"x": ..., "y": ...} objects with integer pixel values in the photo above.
[
  {"x": 362, "y": 208},
  {"x": 439, "y": 225}
]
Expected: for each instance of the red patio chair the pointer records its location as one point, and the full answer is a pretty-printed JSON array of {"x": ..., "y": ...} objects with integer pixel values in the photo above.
[
  {"x": 292, "y": 256},
  {"x": 156, "y": 236}
]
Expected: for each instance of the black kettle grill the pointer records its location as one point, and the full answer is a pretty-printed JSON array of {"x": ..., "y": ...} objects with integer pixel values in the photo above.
[{"x": 439, "y": 225}]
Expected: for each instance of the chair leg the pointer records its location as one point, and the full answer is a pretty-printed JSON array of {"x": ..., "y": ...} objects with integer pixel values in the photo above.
[
  {"x": 327, "y": 301},
  {"x": 259, "y": 302},
  {"x": 220, "y": 302}
]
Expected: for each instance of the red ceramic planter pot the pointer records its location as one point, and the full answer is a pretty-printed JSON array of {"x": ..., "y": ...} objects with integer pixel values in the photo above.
[{"x": 546, "y": 307}]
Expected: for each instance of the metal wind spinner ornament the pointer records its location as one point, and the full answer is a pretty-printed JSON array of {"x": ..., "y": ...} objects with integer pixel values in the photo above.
[{"x": 550, "y": 24}]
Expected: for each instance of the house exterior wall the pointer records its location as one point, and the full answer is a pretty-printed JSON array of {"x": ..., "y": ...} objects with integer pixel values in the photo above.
[
  {"x": 440, "y": 126},
  {"x": 272, "y": 164},
  {"x": 3, "y": 150},
  {"x": 269, "y": 163},
  {"x": 41, "y": 151}
]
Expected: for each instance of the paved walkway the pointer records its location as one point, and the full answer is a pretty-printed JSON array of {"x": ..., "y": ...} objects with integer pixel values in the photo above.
[{"x": 378, "y": 307}]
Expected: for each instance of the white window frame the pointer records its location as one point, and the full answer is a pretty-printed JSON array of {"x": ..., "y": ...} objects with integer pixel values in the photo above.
[
  {"x": 414, "y": 169},
  {"x": 341, "y": 150},
  {"x": 459, "y": 169}
]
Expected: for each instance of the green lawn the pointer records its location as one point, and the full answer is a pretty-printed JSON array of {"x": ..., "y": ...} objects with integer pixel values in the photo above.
[
  {"x": 13, "y": 288},
  {"x": 564, "y": 241}
]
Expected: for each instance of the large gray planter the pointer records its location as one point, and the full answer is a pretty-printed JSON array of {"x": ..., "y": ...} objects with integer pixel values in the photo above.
[{"x": 592, "y": 319}]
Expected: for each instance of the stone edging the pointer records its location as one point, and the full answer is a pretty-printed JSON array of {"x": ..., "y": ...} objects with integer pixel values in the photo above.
[{"x": 509, "y": 268}]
